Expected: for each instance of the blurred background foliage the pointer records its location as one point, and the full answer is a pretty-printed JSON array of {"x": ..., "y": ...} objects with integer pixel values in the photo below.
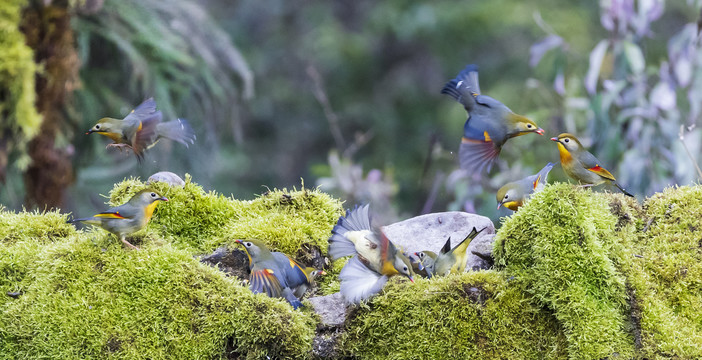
[{"x": 346, "y": 94}]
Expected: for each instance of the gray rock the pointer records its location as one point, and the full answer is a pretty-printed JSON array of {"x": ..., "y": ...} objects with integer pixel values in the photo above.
[
  {"x": 167, "y": 177},
  {"x": 331, "y": 308},
  {"x": 429, "y": 232}
]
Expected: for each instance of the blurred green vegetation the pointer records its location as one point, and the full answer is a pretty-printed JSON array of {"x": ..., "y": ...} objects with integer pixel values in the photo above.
[{"x": 362, "y": 79}]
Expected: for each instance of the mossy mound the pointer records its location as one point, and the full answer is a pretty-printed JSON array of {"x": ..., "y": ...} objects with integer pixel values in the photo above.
[
  {"x": 563, "y": 246},
  {"x": 477, "y": 315},
  {"x": 80, "y": 294},
  {"x": 287, "y": 221}
]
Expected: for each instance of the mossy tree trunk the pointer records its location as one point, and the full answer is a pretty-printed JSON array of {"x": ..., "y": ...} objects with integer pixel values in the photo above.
[{"x": 48, "y": 32}]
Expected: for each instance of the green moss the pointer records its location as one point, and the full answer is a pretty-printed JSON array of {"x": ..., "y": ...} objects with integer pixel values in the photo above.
[
  {"x": 89, "y": 302},
  {"x": 201, "y": 221},
  {"x": 476, "y": 315},
  {"x": 17, "y": 72},
  {"x": 668, "y": 285}
]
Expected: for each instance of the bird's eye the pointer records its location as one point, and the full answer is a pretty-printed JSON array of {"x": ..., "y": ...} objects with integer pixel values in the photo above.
[
  {"x": 97, "y": 127},
  {"x": 248, "y": 244},
  {"x": 404, "y": 268},
  {"x": 506, "y": 196},
  {"x": 153, "y": 195},
  {"x": 567, "y": 140},
  {"x": 529, "y": 126}
]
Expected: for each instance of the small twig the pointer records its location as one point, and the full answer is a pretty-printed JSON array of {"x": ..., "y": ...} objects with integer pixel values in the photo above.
[
  {"x": 361, "y": 139},
  {"x": 681, "y": 136},
  {"x": 323, "y": 100}
]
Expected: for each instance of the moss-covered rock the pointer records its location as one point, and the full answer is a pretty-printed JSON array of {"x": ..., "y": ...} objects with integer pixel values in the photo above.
[
  {"x": 287, "y": 221},
  {"x": 579, "y": 275},
  {"x": 476, "y": 315},
  {"x": 80, "y": 294}
]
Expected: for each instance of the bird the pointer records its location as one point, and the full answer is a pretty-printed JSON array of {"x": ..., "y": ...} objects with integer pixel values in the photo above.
[
  {"x": 128, "y": 218},
  {"x": 142, "y": 128},
  {"x": 581, "y": 165},
  {"x": 426, "y": 261},
  {"x": 375, "y": 258},
  {"x": 489, "y": 125},
  {"x": 513, "y": 194},
  {"x": 454, "y": 260},
  {"x": 312, "y": 274},
  {"x": 274, "y": 273}
]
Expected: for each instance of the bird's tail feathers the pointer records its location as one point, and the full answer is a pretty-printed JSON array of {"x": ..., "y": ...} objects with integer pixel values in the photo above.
[
  {"x": 177, "y": 130},
  {"x": 622, "y": 189},
  {"x": 476, "y": 155}
]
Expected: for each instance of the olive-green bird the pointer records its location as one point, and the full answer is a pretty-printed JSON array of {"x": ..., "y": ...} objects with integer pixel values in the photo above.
[
  {"x": 426, "y": 261},
  {"x": 312, "y": 273},
  {"x": 274, "y": 273},
  {"x": 128, "y": 218},
  {"x": 489, "y": 125},
  {"x": 375, "y": 258},
  {"x": 454, "y": 260},
  {"x": 142, "y": 128},
  {"x": 581, "y": 165},
  {"x": 513, "y": 194}
]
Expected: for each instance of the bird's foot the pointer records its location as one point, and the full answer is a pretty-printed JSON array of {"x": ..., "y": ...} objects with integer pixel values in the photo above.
[
  {"x": 119, "y": 146},
  {"x": 129, "y": 244},
  {"x": 584, "y": 186}
]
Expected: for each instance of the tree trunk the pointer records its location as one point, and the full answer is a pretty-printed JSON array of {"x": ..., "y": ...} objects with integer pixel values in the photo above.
[{"x": 48, "y": 32}]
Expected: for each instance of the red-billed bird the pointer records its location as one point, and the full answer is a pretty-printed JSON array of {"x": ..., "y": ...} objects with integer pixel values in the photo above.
[{"x": 490, "y": 123}]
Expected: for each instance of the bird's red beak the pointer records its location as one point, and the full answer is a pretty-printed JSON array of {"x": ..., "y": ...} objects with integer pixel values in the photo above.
[
  {"x": 322, "y": 272},
  {"x": 238, "y": 241},
  {"x": 411, "y": 279},
  {"x": 499, "y": 205},
  {"x": 163, "y": 198},
  {"x": 554, "y": 139},
  {"x": 539, "y": 131}
]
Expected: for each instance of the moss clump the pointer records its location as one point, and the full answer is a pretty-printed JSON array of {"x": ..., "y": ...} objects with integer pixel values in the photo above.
[
  {"x": 476, "y": 315},
  {"x": 84, "y": 301},
  {"x": 21, "y": 120},
  {"x": 199, "y": 221},
  {"x": 561, "y": 245},
  {"x": 667, "y": 281}
]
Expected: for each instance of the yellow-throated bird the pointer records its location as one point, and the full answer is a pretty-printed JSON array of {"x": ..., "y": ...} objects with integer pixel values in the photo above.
[
  {"x": 581, "y": 165},
  {"x": 274, "y": 273},
  {"x": 128, "y": 218},
  {"x": 375, "y": 258},
  {"x": 490, "y": 123},
  {"x": 513, "y": 194},
  {"x": 142, "y": 129},
  {"x": 454, "y": 260}
]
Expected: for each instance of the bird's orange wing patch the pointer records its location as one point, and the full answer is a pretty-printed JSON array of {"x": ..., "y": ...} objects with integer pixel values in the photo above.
[
  {"x": 486, "y": 136},
  {"x": 536, "y": 182},
  {"x": 597, "y": 169},
  {"x": 110, "y": 215}
]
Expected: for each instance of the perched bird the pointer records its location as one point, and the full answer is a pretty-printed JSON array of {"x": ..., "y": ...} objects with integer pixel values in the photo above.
[
  {"x": 128, "y": 218},
  {"x": 581, "y": 165},
  {"x": 375, "y": 258},
  {"x": 274, "y": 273},
  {"x": 426, "y": 259},
  {"x": 513, "y": 194},
  {"x": 142, "y": 129},
  {"x": 489, "y": 125},
  {"x": 454, "y": 260}
]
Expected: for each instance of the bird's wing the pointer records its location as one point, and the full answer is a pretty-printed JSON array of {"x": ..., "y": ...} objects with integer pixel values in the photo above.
[
  {"x": 539, "y": 180},
  {"x": 145, "y": 134},
  {"x": 356, "y": 220},
  {"x": 464, "y": 88},
  {"x": 141, "y": 112},
  {"x": 477, "y": 155},
  {"x": 263, "y": 280},
  {"x": 295, "y": 274},
  {"x": 460, "y": 251},
  {"x": 118, "y": 212},
  {"x": 358, "y": 282},
  {"x": 591, "y": 163}
]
